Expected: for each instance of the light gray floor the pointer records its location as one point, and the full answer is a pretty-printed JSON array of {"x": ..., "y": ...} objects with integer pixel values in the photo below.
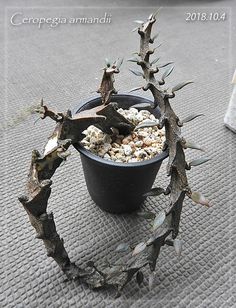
[{"x": 63, "y": 66}]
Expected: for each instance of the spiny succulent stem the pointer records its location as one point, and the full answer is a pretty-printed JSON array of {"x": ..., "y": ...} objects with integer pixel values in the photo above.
[{"x": 69, "y": 131}]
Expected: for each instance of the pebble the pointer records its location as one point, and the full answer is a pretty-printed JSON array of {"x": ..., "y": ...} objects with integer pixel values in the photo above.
[
  {"x": 139, "y": 143},
  {"x": 142, "y": 133},
  {"x": 127, "y": 140},
  {"x": 148, "y": 141},
  {"x": 139, "y": 117},
  {"x": 127, "y": 150},
  {"x": 140, "y": 153},
  {"x": 145, "y": 143},
  {"x": 107, "y": 156}
]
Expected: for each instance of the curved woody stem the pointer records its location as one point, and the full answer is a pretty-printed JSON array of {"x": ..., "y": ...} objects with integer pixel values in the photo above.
[
  {"x": 176, "y": 168},
  {"x": 69, "y": 130}
]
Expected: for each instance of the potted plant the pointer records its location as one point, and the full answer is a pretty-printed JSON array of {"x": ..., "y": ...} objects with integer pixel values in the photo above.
[
  {"x": 121, "y": 168},
  {"x": 107, "y": 173}
]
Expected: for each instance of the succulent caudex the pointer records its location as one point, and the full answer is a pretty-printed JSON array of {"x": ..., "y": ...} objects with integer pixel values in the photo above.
[{"x": 69, "y": 130}]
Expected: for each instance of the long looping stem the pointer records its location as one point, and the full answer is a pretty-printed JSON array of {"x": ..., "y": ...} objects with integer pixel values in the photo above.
[{"x": 69, "y": 130}]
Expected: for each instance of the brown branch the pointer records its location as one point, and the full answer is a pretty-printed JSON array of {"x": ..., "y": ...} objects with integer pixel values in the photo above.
[
  {"x": 35, "y": 203},
  {"x": 112, "y": 117},
  {"x": 106, "y": 88},
  {"x": 176, "y": 165},
  {"x": 104, "y": 117},
  {"x": 69, "y": 130}
]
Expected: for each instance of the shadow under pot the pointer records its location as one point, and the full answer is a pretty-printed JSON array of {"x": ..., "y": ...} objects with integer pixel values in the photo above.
[{"x": 118, "y": 187}]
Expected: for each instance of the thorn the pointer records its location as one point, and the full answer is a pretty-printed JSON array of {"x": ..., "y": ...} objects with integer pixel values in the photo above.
[
  {"x": 107, "y": 62},
  {"x": 150, "y": 16},
  {"x": 155, "y": 36},
  {"x": 178, "y": 246},
  {"x": 135, "y": 89},
  {"x": 37, "y": 120},
  {"x": 141, "y": 22},
  {"x": 180, "y": 123},
  {"x": 167, "y": 73},
  {"x": 156, "y": 13},
  {"x": 151, "y": 280},
  {"x": 154, "y": 61},
  {"x": 146, "y": 87},
  {"x": 133, "y": 60},
  {"x": 199, "y": 161},
  {"x": 199, "y": 198},
  {"x": 169, "y": 243},
  {"x": 191, "y": 117},
  {"x": 137, "y": 73},
  {"x": 119, "y": 62},
  {"x": 187, "y": 166},
  {"x": 23, "y": 199}
]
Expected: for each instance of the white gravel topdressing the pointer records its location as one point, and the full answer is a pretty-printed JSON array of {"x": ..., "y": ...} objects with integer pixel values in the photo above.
[{"x": 143, "y": 144}]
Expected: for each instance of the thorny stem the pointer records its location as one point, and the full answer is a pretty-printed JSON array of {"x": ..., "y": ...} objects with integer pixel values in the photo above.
[
  {"x": 69, "y": 130},
  {"x": 177, "y": 165},
  {"x": 178, "y": 185}
]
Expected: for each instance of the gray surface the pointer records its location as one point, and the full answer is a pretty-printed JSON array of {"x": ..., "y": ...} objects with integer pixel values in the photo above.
[{"x": 62, "y": 65}]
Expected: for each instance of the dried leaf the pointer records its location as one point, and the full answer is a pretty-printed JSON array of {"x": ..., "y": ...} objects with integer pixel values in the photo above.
[
  {"x": 180, "y": 86},
  {"x": 199, "y": 161},
  {"x": 146, "y": 124},
  {"x": 122, "y": 247},
  {"x": 139, "y": 277},
  {"x": 199, "y": 198},
  {"x": 137, "y": 73},
  {"x": 155, "y": 192},
  {"x": 191, "y": 145},
  {"x": 167, "y": 73},
  {"x": 151, "y": 280},
  {"x": 164, "y": 65},
  {"x": 139, "y": 248},
  {"x": 178, "y": 246},
  {"x": 146, "y": 214},
  {"x": 159, "y": 219},
  {"x": 136, "y": 89},
  {"x": 141, "y": 22},
  {"x": 191, "y": 117}
]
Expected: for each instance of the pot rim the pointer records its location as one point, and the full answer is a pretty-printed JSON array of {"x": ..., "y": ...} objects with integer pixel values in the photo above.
[{"x": 79, "y": 147}]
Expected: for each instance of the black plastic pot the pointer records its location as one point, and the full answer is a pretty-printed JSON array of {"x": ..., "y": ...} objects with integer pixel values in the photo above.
[{"x": 118, "y": 187}]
